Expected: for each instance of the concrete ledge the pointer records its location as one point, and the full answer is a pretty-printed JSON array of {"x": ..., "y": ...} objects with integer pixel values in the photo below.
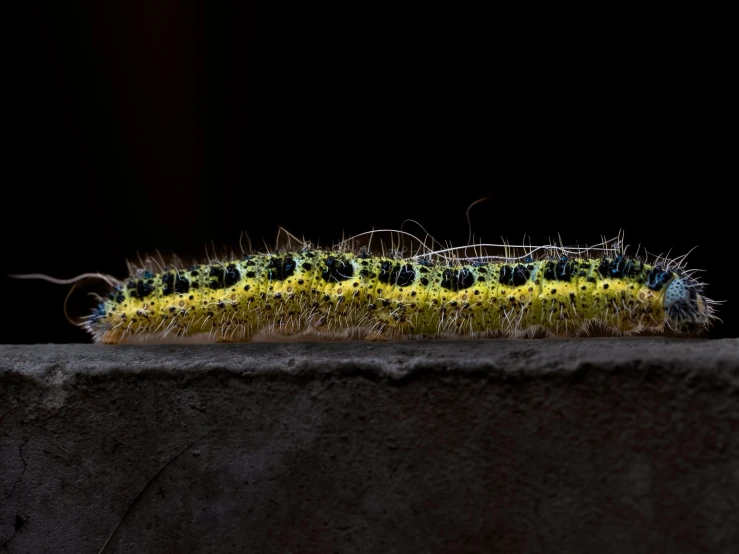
[{"x": 599, "y": 445}]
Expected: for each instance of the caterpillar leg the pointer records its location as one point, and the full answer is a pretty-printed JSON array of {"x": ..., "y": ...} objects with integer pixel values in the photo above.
[
  {"x": 287, "y": 325},
  {"x": 110, "y": 337},
  {"x": 234, "y": 333},
  {"x": 383, "y": 329},
  {"x": 377, "y": 336}
]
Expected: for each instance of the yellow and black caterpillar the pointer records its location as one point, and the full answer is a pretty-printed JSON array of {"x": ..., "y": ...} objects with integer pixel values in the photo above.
[{"x": 550, "y": 291}]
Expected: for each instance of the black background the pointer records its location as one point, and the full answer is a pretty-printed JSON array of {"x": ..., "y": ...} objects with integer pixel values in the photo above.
[{"x": 138, "y": 126}]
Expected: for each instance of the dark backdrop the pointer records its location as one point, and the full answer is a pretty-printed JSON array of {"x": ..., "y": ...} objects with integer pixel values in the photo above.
[{"x": 136, "y": 126}]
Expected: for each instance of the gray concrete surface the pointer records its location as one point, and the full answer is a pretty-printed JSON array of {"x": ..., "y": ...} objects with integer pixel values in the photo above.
[{"x": 600, "y": 445}]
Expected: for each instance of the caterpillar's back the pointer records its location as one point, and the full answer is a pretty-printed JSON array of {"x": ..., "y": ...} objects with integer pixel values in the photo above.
[{"x": 343, "y": 292}]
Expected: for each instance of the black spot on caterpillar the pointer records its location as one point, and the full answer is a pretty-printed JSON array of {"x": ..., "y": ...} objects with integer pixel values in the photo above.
[{"x": 347, "y": 292}]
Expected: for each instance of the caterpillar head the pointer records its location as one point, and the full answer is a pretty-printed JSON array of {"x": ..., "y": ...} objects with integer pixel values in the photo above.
[{"x": 687, "y": 310}]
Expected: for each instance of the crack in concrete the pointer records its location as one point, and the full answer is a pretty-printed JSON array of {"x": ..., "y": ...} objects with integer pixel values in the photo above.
[
  {"x": 19, "y": 520},
  {"x": 23, "y": 471},
  {"x": 148, "y": 484}
]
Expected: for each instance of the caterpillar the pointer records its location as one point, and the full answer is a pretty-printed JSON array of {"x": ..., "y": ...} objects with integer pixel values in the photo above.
[{"x": 349, "y": 292}]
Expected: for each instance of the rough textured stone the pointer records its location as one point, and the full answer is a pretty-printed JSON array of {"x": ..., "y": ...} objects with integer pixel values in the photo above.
[{"x": 600, "y": 445}]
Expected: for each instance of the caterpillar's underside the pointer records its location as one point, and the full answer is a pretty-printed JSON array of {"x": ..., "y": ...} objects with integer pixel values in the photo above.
[{"x": 354, "y": 294}]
